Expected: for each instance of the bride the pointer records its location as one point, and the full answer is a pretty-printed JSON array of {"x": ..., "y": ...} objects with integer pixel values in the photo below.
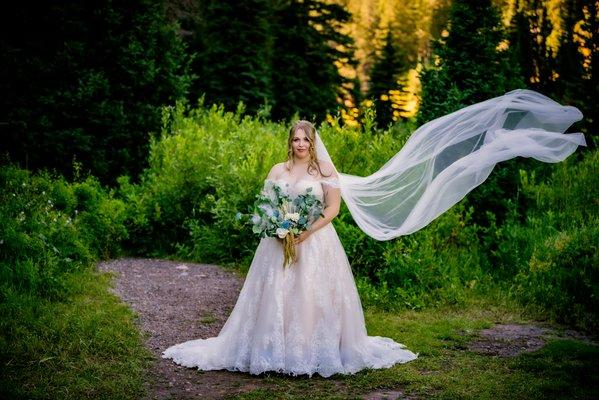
[{"x": 307, "y": 318}]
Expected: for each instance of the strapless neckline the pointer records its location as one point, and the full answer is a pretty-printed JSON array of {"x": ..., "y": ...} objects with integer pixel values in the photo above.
[
  {"x": 297, "y": 182},
  {"x": 295, "y": 189}
]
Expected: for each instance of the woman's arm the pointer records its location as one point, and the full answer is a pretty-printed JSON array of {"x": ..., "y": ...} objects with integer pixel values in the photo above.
[{"x": 331, "y": 209}]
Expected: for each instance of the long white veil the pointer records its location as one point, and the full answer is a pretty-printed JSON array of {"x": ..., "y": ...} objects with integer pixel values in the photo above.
[{"x": 446, "y": 158}]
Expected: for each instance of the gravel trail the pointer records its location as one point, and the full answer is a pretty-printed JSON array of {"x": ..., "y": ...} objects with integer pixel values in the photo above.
[{"x": 178, "y": 301}]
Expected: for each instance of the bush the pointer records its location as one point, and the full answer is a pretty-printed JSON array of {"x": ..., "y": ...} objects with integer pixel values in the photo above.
[
  {"x": 562, "y": 277},
  {"x": 558, "y": 262},
  {"x": 50, "y": 227},
  {"x": 208, "y": 164}
]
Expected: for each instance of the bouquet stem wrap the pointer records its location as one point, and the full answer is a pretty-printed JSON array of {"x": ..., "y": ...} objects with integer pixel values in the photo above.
[{"x": 289, "y": 249}]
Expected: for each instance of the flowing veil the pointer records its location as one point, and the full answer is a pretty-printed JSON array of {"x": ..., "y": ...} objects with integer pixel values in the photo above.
[{"x": 444, "y": 159}]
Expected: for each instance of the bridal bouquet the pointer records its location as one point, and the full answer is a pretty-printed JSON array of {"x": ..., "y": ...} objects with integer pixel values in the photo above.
[{"x": 276, "y": 214}]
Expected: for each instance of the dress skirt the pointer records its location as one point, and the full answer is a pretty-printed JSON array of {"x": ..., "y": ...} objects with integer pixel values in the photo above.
[{"x": 306, "y": 318}]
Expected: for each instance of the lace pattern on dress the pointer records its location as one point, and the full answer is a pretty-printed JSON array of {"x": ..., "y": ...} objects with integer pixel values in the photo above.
[{"x": 303, "y": 319}]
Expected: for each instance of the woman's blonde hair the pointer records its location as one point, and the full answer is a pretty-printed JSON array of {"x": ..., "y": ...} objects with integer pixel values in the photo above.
[{"x": 310, "y": 130}]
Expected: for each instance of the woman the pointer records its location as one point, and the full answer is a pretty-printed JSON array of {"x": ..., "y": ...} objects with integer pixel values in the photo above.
[{"x": 306, "y": 318}]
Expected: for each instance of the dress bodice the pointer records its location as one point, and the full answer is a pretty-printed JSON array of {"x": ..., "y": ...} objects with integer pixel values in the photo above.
[{"x": 300, "y": 187}]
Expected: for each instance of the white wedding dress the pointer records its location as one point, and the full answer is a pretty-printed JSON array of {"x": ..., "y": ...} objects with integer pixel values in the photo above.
[{"x": 303, "y": 319}]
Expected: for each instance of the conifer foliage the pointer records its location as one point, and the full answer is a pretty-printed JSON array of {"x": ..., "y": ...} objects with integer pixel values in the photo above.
[
  {"x": 85, "y": 81},
  {"x": 384, "y": 78},
  {"x": 276, "y": 55},
  {"x": 233, "y": 46},
  {"x": 308, "y": 43},
  {"x": 473, "y": 63}
]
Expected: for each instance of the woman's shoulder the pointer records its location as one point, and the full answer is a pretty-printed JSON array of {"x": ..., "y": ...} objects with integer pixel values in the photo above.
[
  {"x": 280, "y": 166},
  {"x": 276, "y": 170},
  {"x": 327, "y": 168}
]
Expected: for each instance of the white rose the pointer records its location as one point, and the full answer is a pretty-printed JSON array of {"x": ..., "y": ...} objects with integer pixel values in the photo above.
[
  {"x": 292, "y": 216},
  {"x": 282, "y": 232}
]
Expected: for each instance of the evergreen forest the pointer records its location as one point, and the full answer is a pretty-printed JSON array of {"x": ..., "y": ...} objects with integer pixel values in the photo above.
[{"x": 140, "y": 128}]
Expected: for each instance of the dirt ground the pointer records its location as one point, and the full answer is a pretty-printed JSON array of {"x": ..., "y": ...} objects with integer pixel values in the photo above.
[{"x": 179, "y": 301}]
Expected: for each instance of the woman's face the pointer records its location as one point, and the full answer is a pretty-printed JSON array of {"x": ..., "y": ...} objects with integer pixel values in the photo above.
[{"x": 300, "y": 144}]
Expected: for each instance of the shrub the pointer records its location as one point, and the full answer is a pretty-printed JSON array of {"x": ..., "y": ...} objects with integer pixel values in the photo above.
[
  {"x": 49, "y": 227},
  {"x": 208, "y": 164}
]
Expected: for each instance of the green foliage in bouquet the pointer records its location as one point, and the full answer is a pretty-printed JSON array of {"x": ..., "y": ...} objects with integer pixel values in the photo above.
[{"x": 275, "y": 212}]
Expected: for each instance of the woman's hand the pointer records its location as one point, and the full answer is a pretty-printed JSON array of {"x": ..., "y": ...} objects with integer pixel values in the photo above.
[{"x": 302, "y": 236}]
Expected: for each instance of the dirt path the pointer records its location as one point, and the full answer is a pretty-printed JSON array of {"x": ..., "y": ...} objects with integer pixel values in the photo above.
[{"x": 179, "y": 301}]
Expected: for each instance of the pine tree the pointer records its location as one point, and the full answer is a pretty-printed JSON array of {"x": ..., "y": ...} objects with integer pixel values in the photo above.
[
  {"x": 384, "y": 77},
  {"x": 567, "y": 75},
  {"x": 521, "y": 42},
  {"x": 233, "y": 44},
  {"x": 472, "y": 65},
  {"x": 528, "y": 36},
  {"x": 87, "y": 82},
  {"x": 308, "y": 44},
  {"x": 577, "y": 84}
]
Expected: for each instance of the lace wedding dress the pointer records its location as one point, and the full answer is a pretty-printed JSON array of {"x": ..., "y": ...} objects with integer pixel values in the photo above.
[{"x": 303, "y": 319}]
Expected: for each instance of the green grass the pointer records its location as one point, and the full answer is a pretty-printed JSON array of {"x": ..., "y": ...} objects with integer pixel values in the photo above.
[
  {"x": 88, "y": 347},
  {"x": 446, "y": 369},
  {"x": 208, "y": 318},
  {"x": 84, "y": 348}
]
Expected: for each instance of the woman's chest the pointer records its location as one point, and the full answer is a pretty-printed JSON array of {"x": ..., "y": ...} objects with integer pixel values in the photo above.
[{"x": 301, "y": 186}]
